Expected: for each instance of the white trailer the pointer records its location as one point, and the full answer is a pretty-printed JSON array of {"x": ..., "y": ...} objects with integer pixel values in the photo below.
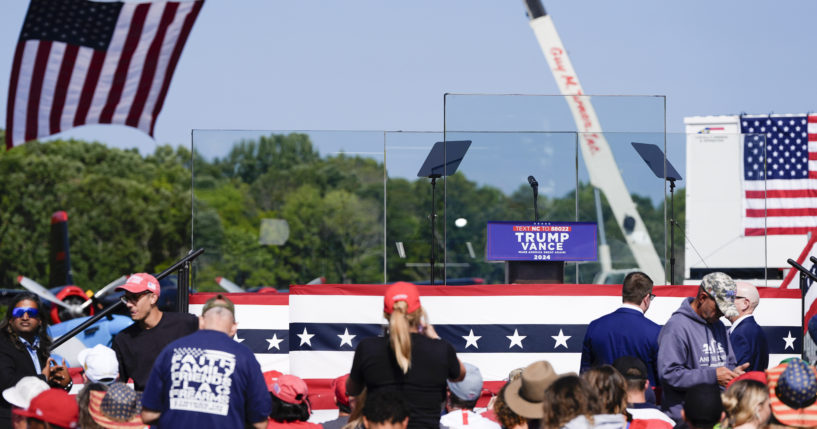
[{"x": 715, "y": 210}]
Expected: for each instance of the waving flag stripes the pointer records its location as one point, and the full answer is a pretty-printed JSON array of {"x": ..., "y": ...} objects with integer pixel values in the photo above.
[
  {"x": 779, "y": 174},
  {"x": 86, "y": 62}
]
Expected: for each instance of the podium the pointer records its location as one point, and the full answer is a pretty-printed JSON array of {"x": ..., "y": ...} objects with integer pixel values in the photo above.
[
  {"x": 536, "y": 252},
  {"x": 534, "y": 272}
]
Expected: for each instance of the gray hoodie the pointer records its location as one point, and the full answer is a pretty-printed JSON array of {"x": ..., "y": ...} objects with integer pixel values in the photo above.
[{"x": 689, "y": 352}]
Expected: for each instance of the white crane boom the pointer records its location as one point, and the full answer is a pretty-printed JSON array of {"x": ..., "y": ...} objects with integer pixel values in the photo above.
[{"x": 598, "y": 157}]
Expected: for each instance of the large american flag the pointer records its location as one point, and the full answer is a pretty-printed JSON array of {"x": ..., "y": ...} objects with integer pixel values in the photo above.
[
  {"x": 86, "y": 62},
  {"x": 779, "y": 174}
]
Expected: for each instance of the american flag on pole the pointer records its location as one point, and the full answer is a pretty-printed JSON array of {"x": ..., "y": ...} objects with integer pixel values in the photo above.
[
  {"x": 86, "y": 62},
  {"x": 779, "y": 174}
]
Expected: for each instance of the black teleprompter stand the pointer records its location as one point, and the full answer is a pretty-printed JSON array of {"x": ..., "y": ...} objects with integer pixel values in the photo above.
[
  {"x": 443, "y": 160},
  {"x": 661, "y": 167}
]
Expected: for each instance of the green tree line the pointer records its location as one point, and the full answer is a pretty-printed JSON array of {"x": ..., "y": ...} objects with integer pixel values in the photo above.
[{"x": 130, "y": 213}]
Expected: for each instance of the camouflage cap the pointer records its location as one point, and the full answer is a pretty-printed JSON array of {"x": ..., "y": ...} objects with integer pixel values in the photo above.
[
  {"x": 723, "y": 289},
  {"x": 219, "y": 301}
]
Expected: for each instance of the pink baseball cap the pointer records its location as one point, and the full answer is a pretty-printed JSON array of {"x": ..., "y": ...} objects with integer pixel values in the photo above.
[
  {"x": 141, "y": 282},
  {"x": 289, "y": 388},
  {"x": 270, "y": 377},
  {"x": 401, "y": 291}
]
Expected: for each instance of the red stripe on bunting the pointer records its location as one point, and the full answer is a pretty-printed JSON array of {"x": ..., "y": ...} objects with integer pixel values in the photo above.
[
  {"x": 247, "y": 298},
  {"x": 518, "y": 290}
]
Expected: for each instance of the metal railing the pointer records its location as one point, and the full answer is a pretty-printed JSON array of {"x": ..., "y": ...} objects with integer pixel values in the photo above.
[{"x": 182, "y": 302}]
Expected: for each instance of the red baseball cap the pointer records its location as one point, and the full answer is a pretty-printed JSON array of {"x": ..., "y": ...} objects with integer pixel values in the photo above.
[
  {"x": 750, "y": 375},
  {"x": 53, "y": 406},
  {"x": 401, "y": 291},
  {"x": 141, "y": 282},
  {"x": 289, "y": 388},
  {"x": 339, "y": 389}
]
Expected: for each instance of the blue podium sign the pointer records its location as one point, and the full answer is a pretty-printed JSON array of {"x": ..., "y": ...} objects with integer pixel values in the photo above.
[{"x": 541, "y": 241}]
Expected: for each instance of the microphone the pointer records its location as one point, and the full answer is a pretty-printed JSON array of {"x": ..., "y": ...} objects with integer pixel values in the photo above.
[
  {"x": 533, "y": 182},
  {"x": 535, "y": 186}
]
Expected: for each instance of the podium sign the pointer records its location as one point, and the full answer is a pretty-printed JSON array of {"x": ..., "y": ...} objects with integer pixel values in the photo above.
[{"x": 541, "y": 241}]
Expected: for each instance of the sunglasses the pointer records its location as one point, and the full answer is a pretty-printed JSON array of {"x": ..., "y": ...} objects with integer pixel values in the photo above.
[
  {"x": 132, "y": 298},
  {"x": 20, "y": 311}
]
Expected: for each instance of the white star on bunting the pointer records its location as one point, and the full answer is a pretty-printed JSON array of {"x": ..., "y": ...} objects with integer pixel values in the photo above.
[
  {"x": 274, "y": 342},
  {"x": 306, "y": 338},
  {"x": 561, "y": 339},
  {"x": 238, "y": 340},
  {"x": 516, "y": 339},
  {"x": 346, "y": 338},
  {"x": 789, "y": 341},
  {"x": 471, "y": 340}
]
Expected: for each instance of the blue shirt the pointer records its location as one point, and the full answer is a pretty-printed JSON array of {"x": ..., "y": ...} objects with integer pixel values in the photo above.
[
  {"x": 624, "y": 332},
  {"x": 207, "y": 380},
  {"x": 32, "y": 351}
]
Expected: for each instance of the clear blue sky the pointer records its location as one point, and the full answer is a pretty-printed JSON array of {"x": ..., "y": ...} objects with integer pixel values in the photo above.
[{"x": 378, "y": 65}]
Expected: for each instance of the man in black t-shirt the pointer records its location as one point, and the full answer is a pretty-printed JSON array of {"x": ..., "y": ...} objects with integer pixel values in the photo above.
[{"x": 138, "y": 345}]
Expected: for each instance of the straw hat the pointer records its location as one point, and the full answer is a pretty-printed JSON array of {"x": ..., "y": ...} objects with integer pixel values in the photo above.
[{"x": 525, "y": 394}]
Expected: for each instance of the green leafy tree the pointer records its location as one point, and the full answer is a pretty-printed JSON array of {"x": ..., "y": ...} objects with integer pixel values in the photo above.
[{"x": 126, "y": 213}]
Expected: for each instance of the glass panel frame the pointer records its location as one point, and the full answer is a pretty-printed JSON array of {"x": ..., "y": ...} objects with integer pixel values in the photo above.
[
  {"x": 383, "y": 218},
  {"x": 626, "y": 119}
]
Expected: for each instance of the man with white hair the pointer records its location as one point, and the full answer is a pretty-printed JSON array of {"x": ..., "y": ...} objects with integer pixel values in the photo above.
[{"x": 747, "y": 338}]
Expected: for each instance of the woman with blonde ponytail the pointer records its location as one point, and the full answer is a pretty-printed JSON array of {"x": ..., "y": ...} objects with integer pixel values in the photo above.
[
  {"x": 747, "y": 405},
  {"x": 411, "y": 359}
]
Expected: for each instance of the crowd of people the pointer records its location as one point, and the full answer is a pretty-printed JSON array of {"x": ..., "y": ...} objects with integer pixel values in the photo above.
[{"x": 187, "y": 371}]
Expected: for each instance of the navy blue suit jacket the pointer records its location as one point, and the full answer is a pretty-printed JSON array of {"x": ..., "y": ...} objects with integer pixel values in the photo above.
[
  {"x": 750, "y": 345},
  {"x": 624, "y": 332}
]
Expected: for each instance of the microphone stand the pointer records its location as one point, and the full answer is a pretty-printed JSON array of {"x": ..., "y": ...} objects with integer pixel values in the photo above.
[
  {"x": 535, "y": 203},
  {"x": 672, "y": 230},
  {"x": 803, "y": 274},
  {"x": 433, "y": 223}
]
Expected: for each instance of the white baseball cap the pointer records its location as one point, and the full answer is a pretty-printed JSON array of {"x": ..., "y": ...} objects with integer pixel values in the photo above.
[
  {"x": 21, "y": 394},
  {"x": 100, "y": 364}
]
